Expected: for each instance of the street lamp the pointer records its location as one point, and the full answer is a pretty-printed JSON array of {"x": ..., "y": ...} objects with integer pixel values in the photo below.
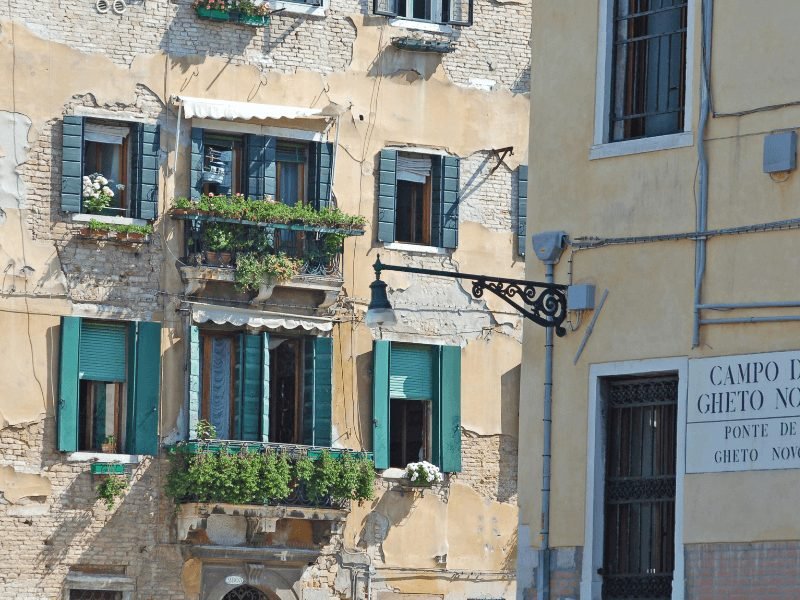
[{"x": 544, "y": 303}]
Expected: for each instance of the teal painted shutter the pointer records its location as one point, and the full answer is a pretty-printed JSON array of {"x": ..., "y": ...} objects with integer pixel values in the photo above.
[
  {"x": 387, "y": 195},
  {"x": 144, "y": 192},
  {"x": 72, "y": 164},
  {"x": 381, "y": 352},
  {"x": 255, "y": 165},
  {"x": 522, "y": 208},
  {"x": 265, "y": 387},
  {"x": 320, "y": 174},
  {"x": 198, "y": 160},
  {"x": 68, "y": 385},
  {"x": 144, "y": 387},
  {"x": 194, "y": 379},
  {"x": 449, "y": 202},
  {"x": 411, "y": 372},
  {"x": 318, "y": 391},
  {"x": 103, "y": 351},
  {"x": 270, "y": 167},
  {"x": 251, "y": 387},
  {"x": 450, "y": 408}
]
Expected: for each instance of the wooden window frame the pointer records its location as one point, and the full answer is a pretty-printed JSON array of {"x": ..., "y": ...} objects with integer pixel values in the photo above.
[
  {"x": 90, "y": 400},
  {"x": 124, "y": 159},
  {"x": 427, "y": 225},
  {"x": 427, "y": 433}
]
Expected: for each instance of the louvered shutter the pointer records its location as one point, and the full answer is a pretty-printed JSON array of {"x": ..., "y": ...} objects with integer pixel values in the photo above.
[
  {"x": 387, "y": 195},
  {"x": 411, "y": 372},
  {"x": 255, "y": 165},
  {"x": 318, "y": 391},
  {"x": 68, "y": 384},
  {"x": 144, "y": 184},
  {"x": 198, "y": 161},
  {"x": 144, "y": 386},
  {"x": 449, "y": 421},
  {"x": 250, "y": 400},
  {"x": 270, "y": 167},
  {"x": 445, "y": 201},
  {"x": 265, "y": 387},
  {"x": 381, "y": 353},
  {"x": 320, "y": 174},
  {"x": 522, "y": 208},
  {"x": 72, "y": 164},
  {"x": 103, "y": 351},
  {"x": 195, "y": 358}
]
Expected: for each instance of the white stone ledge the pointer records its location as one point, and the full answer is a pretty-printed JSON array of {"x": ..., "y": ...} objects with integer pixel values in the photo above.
[
  {"x": 85, "y": 218},
  {"x": 104, "y": 457},
  {"x": 298, "y": 8},
  {"x": 420, "y": 25},
  {"x": 416, "y": 248},
  {"x": 638, "y": 146}
]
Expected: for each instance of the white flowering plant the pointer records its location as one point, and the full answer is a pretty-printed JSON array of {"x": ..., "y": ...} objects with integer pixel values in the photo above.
[
  {"x": 423, "y": 473},
  {"x": 98, "y": 192}
]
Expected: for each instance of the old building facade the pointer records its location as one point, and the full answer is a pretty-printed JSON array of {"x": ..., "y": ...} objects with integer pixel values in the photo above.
[
  {"x": 665, "y": 152},
  {"x": 126, "y": 328}
]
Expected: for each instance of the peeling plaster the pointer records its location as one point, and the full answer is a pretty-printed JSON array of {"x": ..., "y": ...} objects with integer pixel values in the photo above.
[
  {"x": 14, "y": 129},
  {"x": 16, "y": 486}
]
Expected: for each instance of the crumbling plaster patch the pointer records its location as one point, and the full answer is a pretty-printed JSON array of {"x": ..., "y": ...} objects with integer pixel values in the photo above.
[
  {"x": 16, "y": 486},
  {"x": 14, "y": 128}
]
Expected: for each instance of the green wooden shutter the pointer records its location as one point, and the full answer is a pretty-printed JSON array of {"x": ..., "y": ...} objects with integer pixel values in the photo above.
[
  {"x": 103, "y": 351},
  {"x": 144, "y": 387},
  {"x": 381, "y": 353},
  {"x": 320, "y": 174},
  {"x": 318, "y": 391},
  {"x": 411, "y": 372},
  {"x": 251, "y": 387},
  {"x": 449, "y": 202},
  {"x": 72, "y": 164},
  {"x": 68, "y": 385},
  {"x": 144, "y": 178},
  {"x": 265, "y": 387},
  {"x": 195, "y": 357},
  {"x": 387, "y": 195},
  {"x": 450, "y": 408},
  {"x": 270, "y": 167},
  {"x": 522, "y": 208},
  {"x": 198, "y": 161},
  {"x": 255, "y": 165}
]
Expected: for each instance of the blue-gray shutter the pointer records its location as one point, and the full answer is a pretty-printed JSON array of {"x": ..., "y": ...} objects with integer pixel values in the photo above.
[
  {"x": 144, "y": 178},
  {"x": 270, "y": 167},
  {"x": 198, "y": 161},
  {"x": 251, "y": 387},
  {"x": 522, "y": 208},
  {"x": 195, "y": 358},
  {"x": 72, "y": 164},
  {"x": 255, "y": 165},
  {"x": 387, "y": 195},
  {"x": 144, "y": 387},
  {"x": 265, "y": 381},
  {"x": 103, "y": 355},
  {"x": 320, "y": 171},
  {"x": 318, "y": 391},
  {"x": 411, "y": 372},
  {"x": 448, "y": 196}
]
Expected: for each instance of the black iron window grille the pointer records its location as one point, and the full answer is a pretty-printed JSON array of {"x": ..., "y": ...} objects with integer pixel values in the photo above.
[
  {"x": 639, "y": 544},
  {"x": 649, "y": 74}
]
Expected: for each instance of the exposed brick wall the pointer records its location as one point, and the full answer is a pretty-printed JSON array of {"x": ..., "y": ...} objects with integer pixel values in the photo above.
[
  {"x": 488, "y": 199},
  {"x": 743, "y": 571},
  {"x": 489, "y": 465},
  {"x": 565, "y": 575}
]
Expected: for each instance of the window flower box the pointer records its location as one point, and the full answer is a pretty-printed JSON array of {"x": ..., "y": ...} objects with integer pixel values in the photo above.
[
  {"x": 101, "y": 468},
  {"x": 212, "y": 14}
]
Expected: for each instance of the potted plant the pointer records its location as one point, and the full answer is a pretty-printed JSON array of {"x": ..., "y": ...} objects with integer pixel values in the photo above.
[
  {"x": 97, "y": 193},
  {"x": 98, "y": 229},
  {"x": 215, "y": 10},
  {"x": 423, "y": 474},
  {"x": 109, "y": 445},
  {"x": 218, "y": 238},
  {"x": 253, "y": 13},
  {"x": 183, "y": 206},
  {"x": 139, "y": 233}
]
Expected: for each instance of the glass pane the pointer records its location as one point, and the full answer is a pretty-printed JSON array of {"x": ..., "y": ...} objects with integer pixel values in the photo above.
[
  {"x": 219, "y": 393},
  {"x": 94, "y": 595},
  {"x": 288, "y": 183}
]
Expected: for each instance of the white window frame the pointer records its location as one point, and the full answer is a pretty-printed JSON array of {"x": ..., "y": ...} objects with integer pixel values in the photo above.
[
  {"x": 601, "y": 147},
  {"x": 591, "y": 581},
  {"x": 299, "y": 8}
]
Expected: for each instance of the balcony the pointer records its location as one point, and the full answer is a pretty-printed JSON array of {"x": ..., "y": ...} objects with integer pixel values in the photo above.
[
  {"x": 259, "y": 246},
  {"x": 233, "y": 493}
]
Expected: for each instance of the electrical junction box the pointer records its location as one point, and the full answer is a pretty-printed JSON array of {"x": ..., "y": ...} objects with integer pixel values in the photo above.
[
  {"x": 580, "y": 297},
  {"x": 780, "y": 152}
]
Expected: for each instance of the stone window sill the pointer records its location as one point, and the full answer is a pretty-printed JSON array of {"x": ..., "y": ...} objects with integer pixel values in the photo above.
[
  {"x": 416, "y": 248},
  {"x": 85, "y": 218},
  {"x": 420, "y": 25},
  {"x": 653, "y": 144},
  {"x": 298, "y": 8},
  {"x": 127, "y": 459}
]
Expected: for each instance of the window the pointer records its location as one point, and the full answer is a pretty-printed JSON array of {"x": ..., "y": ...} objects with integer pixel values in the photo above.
[
  {"x": 125, "y": 154},
  {"x": 261, "y": 166},
  {"x": 416, "y": 405},
  {"x": 418, "y": 197},
  {"x": 648, "y": 82},
  {"x": 95, "y": 595},
  {"x": 109, "y": 386},
  {"x": 451, "y": 12},
  {"x": 639, "y": 503},
  {"x": 261, "y": 387}
]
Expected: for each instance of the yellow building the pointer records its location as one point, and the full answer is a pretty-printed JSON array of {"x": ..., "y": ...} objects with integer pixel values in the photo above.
[
  {"x": 663, "y": 146},
  {"x": 144, "y": 300}
]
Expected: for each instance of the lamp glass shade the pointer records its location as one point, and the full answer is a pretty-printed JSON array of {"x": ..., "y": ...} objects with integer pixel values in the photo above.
[{"x": 380, "y": 310}]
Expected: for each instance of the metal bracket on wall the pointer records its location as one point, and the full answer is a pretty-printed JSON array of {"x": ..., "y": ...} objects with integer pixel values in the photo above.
[{"x": 501, "y": 154}]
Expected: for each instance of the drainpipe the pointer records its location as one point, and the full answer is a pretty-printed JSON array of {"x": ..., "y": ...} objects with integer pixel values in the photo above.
[
  {"x": 548, "y": 247},
  {"x": 702, "y": 158}
]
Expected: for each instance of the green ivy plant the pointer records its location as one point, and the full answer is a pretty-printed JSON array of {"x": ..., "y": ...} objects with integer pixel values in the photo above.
[{"x": 111, "y": 488}]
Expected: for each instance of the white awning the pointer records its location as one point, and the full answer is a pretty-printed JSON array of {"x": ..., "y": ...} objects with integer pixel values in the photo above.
[
  {"x": 256, "y": 319},
  {"x": 227, "y": 109}
]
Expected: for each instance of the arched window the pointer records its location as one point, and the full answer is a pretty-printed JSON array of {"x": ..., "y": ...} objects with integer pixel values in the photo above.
[{"x": 245, "y": 592}]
